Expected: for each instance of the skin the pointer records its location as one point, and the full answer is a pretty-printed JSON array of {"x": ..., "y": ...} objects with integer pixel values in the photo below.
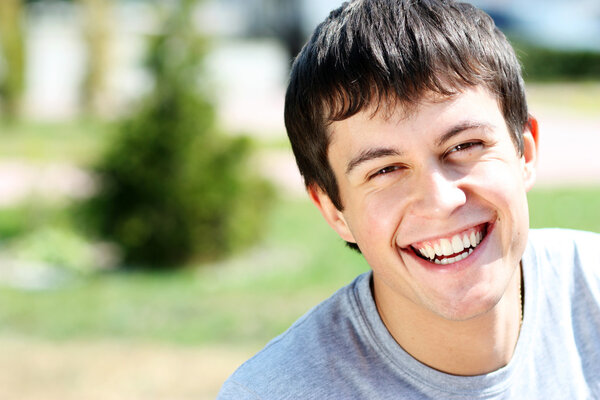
[{"x": 447, "y": 166}]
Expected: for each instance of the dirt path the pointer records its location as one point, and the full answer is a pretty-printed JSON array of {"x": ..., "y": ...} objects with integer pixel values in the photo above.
[{"x": 37, "y": 370}]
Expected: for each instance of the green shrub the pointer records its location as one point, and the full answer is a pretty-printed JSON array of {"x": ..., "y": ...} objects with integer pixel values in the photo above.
[
  {"x": 28, "y": 216},
  {"x": 14, "y": 221},
  {"x": 544, "y": 64},
  {"x": 172, "y": 188},
  {"x": 57, "y": 246}
]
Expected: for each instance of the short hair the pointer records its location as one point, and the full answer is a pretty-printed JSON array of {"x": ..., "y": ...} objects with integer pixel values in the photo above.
[{"x": 372, "y": 52}]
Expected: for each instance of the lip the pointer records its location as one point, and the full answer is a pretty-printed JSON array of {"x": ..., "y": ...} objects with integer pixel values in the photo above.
[{"x": 456, "y": 266}]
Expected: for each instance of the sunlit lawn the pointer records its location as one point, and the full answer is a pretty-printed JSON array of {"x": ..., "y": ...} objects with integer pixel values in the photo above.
[
  {"x": 248, "y": 298},
  {"x": 577, "y": 98},
  {"x": 76, "y": 141},
  {"x": 245, "y": 300}
]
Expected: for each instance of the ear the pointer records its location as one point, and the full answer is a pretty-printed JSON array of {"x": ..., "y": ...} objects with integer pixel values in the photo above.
[
  {"x": 333, "y": 216},
  {"x": 530, "y": 152}
]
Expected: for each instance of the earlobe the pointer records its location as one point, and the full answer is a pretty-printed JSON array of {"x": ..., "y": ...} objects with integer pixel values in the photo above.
[
  {"x": 332, "y": 215},
  {"x": 530, "y": 152}
]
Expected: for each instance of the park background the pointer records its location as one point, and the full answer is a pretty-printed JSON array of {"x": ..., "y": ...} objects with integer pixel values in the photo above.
[{"x": 84, "y": 313}]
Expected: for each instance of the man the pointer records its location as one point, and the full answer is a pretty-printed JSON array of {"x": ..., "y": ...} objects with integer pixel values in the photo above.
[{"x": 409, "y": 123}]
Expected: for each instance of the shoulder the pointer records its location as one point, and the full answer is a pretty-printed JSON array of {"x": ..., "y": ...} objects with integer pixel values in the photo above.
[
  {"x": 294, "y": 362},
  {"x": 562, "y": 245},
  {"x": 568, "y": 264},
  {"x": 554, "y": 235},
  {"x": 567, "y": 258}
]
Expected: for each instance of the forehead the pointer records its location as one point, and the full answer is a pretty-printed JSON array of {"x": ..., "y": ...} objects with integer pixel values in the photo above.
[
  {"x": 430, "y": 118},
  {"x": 388, "y": 104}
]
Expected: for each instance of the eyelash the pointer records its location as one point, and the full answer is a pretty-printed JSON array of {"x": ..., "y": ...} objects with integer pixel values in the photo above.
[
  {"x": 463, "y": 147},
  {"x": 385, "y": 171}
]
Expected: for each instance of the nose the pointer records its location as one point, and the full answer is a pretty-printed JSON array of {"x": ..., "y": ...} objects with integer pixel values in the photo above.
[{"x": 438, "y": 194}]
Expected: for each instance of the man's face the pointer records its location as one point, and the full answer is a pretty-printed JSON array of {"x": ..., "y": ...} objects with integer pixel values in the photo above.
[{"x": 436, "y": 201}]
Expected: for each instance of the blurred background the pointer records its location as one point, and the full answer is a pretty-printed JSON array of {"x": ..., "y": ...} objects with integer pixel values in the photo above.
[{"x": 154, "y": 230}]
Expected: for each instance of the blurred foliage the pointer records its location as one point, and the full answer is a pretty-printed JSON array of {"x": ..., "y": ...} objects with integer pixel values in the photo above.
[
  {"x": 172, "y": 188},
  {"x": 12, "y": 47},
  {"x": 56, "y": 246},
  {"x": 74, "y": 141},
  {"x": 29, "y": 215},
  {"x": 21, "y": 219},
  {"x": 98, "y": 21},
  {"x": 544, "y": 64},
  {"x": 37, "y": 233}
]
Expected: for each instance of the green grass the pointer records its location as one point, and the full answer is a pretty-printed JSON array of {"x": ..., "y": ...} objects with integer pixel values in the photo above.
[
  {"x": 575, "y": 207},
  {"x": 576, "y": 98},
  {"x": 76, "y": 141},
  {"x": 248, "y": 299},
  {"x": 245, "y": 300}
]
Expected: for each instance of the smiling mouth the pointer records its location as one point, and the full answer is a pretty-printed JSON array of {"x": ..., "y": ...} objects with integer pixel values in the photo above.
[{"x": 449, "y": 250}]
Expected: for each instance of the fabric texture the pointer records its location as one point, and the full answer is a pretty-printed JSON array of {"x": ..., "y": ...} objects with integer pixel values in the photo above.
[{"x": 342, "y": 350}]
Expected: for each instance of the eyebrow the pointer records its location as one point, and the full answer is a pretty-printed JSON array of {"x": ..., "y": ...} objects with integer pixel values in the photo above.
[
  {"x": 380, "y": 152},
  {"x": 370, "y": 154},
  {"x": 461, "y": 127}
]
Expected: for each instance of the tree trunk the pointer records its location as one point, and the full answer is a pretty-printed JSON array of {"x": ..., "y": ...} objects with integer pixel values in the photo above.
[
  {"x": 12, "y": 47},
  {"x": 97, "y": 32}
]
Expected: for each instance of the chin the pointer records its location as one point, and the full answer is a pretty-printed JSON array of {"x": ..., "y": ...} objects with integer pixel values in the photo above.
[{"x": 477, "y": 301}]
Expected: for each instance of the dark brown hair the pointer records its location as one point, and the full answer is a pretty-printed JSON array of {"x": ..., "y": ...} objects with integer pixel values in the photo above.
[{"x": 373, "y": 52}]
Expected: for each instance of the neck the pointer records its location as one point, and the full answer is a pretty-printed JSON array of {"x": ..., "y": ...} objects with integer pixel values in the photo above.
[{"x": 476, "y": 346}]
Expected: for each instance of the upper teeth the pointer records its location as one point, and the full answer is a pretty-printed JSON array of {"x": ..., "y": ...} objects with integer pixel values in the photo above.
[{"x": 454, "y": 245}]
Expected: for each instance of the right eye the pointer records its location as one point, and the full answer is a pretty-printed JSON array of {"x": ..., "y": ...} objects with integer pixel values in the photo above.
[{"x": 385, "y": 171}]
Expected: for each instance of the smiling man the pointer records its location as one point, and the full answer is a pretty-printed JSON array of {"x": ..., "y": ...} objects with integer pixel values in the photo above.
[{"x": 409, "y": 124}]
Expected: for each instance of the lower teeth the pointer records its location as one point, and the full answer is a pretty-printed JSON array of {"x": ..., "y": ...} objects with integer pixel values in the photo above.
[{"x": 445, "y": 261}]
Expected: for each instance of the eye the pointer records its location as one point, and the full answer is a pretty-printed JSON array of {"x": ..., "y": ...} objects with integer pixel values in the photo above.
[
  {"x": 385, "y": 171},
  {"x": 464, "y": 147}
]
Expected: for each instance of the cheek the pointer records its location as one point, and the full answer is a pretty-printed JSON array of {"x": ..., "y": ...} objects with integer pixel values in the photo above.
[
  {"x": 500, "y": 179},
  {"x": 501, "y": 185},
  {"x": 382, "y": 214}
]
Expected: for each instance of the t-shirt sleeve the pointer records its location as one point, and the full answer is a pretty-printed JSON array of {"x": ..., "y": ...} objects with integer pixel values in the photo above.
[{"x": 233, "y": 390}]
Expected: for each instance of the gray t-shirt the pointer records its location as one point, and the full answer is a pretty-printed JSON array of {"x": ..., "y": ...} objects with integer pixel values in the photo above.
[{"x": 342, "y": 350}]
